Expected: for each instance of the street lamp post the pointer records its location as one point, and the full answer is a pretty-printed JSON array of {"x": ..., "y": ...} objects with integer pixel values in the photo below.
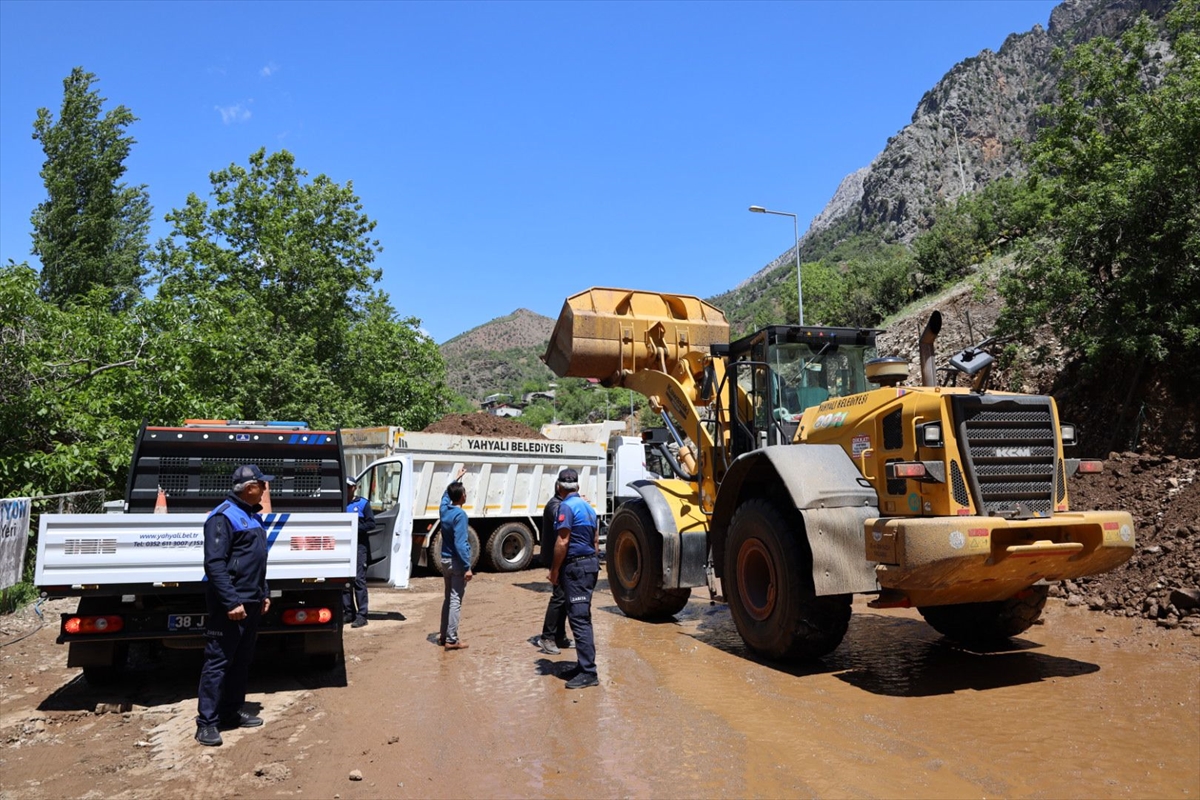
[{"x": 796, "y": 230}]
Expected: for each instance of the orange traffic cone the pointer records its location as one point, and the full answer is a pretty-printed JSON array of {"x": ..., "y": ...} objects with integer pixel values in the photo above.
[
  {"x": 160, "y": 505},
  {"x": 266, "y": 499}
]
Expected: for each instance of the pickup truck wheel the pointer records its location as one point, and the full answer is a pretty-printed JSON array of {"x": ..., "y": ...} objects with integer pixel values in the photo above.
[
  {"x": 324, "y": 661},
  {"x": 509, "y": 548},
  {"x": 435, "y": 549},
  {"x": 988, "y": 623},
  {"x": 108, "y": 674},
  {"x": 634, "y": 559},
  {"x": 768, "y": 586}
]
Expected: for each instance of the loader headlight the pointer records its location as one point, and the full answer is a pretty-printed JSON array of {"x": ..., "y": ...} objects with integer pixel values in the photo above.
[
  {"x": 1067, "y": 431},
  {"x": 930, "y": 434}
]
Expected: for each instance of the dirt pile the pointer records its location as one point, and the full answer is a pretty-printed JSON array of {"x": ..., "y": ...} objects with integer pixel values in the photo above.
[
  {"x": 483, "y": 424},
  {"x": 1162, "y": 579}
]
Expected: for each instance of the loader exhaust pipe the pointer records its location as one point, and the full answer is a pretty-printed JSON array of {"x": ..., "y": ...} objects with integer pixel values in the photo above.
[{"x": 932, "y": 329}]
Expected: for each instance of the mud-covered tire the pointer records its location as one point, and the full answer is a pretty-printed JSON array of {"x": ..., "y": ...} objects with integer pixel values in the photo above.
[
  {"x": 634, "y": 560},
  {"x": 509, "y": 548},
  {"x": 768, "y": 585},
  {"x": 988, "y": 623},
  {"x": 434, "y": 555}
]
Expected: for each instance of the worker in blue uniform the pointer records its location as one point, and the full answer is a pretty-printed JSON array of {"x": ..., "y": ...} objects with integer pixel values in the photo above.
[
  {"x": 354, "y": 598},
  {"x": 235, "y": 569},
  {"x": 577, "y": 566}
]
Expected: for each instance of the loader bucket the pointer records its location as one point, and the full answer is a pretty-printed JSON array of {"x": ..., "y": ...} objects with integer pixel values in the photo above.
[{"x": 602, "y": 332}]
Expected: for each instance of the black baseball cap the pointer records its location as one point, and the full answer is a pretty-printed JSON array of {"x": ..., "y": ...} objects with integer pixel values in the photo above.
[
  {"x": 568, "y": 476},
  {"x": 250, "y": 472}
]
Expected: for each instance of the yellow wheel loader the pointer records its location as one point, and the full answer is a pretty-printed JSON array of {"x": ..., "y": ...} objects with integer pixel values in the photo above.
[{"x": 805, "y": 472}]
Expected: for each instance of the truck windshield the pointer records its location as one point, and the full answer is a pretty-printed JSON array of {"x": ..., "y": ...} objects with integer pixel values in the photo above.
[{"x": 808, "y": 376}]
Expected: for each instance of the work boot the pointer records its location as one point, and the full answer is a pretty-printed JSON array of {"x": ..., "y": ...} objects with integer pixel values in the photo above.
[
  {"x": 240, "y": 720},
  {"x": 566, "y": 644},
  {"x": 547, "y": 646},
  {"x": 583, "y": 680},
  {"x": 358, "y": 622},
  {"x": 347, "y": 617},
  {"x": 208, "y": 735}
]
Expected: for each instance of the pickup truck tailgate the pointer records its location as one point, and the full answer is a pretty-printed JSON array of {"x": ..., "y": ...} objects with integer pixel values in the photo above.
[{"x": 124, "y": 549}]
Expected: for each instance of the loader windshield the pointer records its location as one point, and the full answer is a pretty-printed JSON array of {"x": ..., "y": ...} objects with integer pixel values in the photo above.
[{"x": 809, "y": 376}]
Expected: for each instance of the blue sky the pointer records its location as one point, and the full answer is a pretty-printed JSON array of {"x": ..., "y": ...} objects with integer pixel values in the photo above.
[{"x": 511, "y": 153}]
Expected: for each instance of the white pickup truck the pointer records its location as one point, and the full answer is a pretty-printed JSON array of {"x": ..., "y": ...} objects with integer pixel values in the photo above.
[{"x": 139, "y": 575}]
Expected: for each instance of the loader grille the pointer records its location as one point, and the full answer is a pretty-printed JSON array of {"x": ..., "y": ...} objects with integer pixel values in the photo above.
[{"x": 1009, "y": 453}]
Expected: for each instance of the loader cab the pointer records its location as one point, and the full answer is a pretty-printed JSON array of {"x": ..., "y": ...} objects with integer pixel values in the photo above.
[{"x": 776, "y": 373}]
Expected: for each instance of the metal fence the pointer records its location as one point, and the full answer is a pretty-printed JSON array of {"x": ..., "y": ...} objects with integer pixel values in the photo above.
[{"x": 88, "y": 502}]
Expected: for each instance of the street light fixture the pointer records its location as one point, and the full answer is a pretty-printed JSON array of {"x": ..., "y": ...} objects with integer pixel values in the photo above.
[{"x": 796, "y": 230}]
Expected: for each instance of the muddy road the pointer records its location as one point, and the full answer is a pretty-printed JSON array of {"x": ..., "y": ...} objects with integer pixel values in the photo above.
[{"x": 1085, "y": 705}]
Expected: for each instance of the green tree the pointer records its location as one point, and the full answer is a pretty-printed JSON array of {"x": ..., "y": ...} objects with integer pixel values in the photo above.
[
  {"x": 285, "y": 264},
  {"x": 78, "y": 380},
  {"x": 1115, "y": 268},
  {"x": 91, "y": 230}
]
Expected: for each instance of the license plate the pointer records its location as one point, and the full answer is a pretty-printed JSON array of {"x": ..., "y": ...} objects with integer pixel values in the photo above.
[{"x": 186, "y": 622}]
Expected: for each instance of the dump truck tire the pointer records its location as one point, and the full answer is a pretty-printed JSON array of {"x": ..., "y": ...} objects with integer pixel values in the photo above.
[
  {"x": 768, "y": 586},
  {"x": 509, "y": 548},
  {"x": 988, "y": 623},
  {"x": 435, "y": 549},
  {"x": 634, "y": 559}
]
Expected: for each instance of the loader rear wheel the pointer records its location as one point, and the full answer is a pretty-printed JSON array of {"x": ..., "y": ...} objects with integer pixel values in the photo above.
[
  {"x": 634, "y": 556},
  {"x": 988, "y": 623},
  {"x": 509, "y": 548},
  {"x": 768, "y": 585},
  {"x": 435, "y": 549}
]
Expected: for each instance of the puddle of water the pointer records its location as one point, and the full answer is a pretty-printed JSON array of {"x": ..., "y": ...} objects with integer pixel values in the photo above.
[{"x": 899, "y": 711}]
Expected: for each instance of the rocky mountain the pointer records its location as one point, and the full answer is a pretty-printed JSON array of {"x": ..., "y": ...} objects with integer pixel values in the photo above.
[
  {"x": 498, "y": 356},
  {"x": 966, "y": 131}
]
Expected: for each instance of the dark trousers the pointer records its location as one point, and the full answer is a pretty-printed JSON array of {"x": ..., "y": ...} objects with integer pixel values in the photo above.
[
  {"x": 356, "y": 590},
  {"x": 578, "y": 580},
  {"x": 227, "y": 656},
  {"x": 555, "y": 624}
]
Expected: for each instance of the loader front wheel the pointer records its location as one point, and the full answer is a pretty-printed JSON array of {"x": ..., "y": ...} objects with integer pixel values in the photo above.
[
  {"x": 634, "y": 556},
  {"x": 988, "y": 623},
  {"x": 768, "y": 585}
]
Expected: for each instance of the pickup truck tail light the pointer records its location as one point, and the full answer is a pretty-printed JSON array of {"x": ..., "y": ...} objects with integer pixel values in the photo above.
[
  {"x": 307, "y": 616},
  {"x": 110, "y": 623}
]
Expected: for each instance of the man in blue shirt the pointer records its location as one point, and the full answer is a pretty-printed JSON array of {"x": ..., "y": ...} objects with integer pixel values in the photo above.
[
  {"x": 456, "y": 561},
  {"x": 577, "y": 565},
  {"x": 355, "y": 594},
  {"x": 235, "y": 566}
]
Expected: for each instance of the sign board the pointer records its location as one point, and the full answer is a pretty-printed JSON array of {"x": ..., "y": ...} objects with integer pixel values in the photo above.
[{"x": 14, "y": 537}]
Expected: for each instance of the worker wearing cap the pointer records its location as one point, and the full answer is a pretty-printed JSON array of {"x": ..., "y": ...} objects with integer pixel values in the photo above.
[
  {"x": 235, "y": 569},
  {"x": 577, "y": 566},
  {"x": 355, "y": 594}
]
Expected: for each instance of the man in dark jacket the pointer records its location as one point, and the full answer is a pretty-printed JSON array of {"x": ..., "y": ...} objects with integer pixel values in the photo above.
[
  {"x": 554, "y": 628},
  {"x": 356, "y": 591},
  {"x": 235, "y": 565}
]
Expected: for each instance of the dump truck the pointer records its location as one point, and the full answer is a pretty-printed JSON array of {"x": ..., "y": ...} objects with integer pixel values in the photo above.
[
  {"x": 807, "y": 473},
  {"x": 139, "y": 573},
  {"x": 508, "y": 482}
]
